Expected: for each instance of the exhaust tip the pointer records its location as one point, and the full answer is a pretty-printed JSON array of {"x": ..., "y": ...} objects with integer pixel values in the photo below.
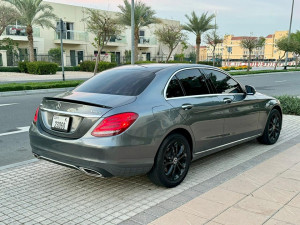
[
  {"x": 90, "y": 172},
  {"x": 36, "y": 156}
]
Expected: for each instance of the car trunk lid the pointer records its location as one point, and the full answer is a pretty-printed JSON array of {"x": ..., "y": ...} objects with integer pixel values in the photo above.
[{"x": 72, "y": 114}]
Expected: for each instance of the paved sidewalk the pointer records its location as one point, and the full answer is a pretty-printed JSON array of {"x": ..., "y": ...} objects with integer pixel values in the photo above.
[
  {"x": 266, "y": 194},
  {"x": 6, "y": 77},
  {"x": 45, "y": 193}
]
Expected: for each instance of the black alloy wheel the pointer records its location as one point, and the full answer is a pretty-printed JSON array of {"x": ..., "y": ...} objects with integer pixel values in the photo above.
[
  {"x": 272, "y": 129},
  {"x": 175, "y": 159},
  {"x": 172, "y": 161}
]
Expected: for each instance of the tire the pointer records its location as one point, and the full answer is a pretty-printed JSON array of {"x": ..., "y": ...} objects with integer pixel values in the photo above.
[
  {"x": 272, "y": 129},
  {"x": 172, "y": 161}
]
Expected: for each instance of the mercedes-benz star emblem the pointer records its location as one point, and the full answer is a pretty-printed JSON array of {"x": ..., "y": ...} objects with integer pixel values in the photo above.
[{"x": 58, "y": 106}]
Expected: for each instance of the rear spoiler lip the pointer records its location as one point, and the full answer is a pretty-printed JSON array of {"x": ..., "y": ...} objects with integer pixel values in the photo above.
[{"x": 76, "y": 101}]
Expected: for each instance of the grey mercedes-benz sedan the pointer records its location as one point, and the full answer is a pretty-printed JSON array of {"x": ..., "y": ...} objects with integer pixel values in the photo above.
[{"x": 153, "y": 119}]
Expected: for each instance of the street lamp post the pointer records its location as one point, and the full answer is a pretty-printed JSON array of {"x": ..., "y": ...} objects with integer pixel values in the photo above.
[
  {"x": 289, "y": 36},
  {"x": 132, "y": 33},
  {"x": 61, "y": 29}
]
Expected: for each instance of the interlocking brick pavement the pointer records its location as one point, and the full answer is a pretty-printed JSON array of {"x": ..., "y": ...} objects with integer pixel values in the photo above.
[{"x": 46, "y": 193}]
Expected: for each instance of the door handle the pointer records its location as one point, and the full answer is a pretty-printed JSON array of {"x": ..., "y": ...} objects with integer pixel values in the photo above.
[
  {"x": 227, "y": 100},
  {"x": 186, "y": 106}
]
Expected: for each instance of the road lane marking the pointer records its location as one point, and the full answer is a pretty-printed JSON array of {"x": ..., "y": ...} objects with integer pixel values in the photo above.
[
  {"x": 280, "y": 81},
  {"x": 20, "y": 130},
  {"x": 8, "y": 104}
]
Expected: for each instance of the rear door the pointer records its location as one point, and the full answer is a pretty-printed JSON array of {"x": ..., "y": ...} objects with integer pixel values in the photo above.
[
  {"x": 189, "y": 93},
  {"x": 241, "y": 112}
]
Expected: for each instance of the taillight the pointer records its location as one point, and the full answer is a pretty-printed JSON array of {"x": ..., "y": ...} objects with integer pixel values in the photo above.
[
  {"x": 36, "y": 115},
  {"x": 115, "y": 124}
]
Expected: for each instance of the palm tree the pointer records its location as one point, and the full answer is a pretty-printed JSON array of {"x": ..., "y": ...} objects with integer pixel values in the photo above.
[
  {"x": 198, "y": 26},
  {"x": 143, "y": 16},
  {"x": 33, "y": 12},
  {"x": 250, "y": 43}
]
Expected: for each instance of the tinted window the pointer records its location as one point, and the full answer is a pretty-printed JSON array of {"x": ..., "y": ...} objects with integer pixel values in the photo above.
[
  {"x": 174, "y": 89},
  {"x": 193, "y": 82},
  {"x": 223, "y": 83},
  {"x": 118, "y": 82}
]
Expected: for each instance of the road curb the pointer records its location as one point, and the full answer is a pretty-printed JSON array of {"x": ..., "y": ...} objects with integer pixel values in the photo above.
[{"x": 32, "y": 92}]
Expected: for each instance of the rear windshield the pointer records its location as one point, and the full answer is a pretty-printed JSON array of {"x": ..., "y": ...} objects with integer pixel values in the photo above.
[{"x": 118, "y": 82}]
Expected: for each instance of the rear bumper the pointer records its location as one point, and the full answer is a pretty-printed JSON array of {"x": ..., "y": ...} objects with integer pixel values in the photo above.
[{"x": 106, "y": 156}]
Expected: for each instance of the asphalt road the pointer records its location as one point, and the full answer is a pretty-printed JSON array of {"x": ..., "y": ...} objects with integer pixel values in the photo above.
[
  {"x": 274, "y": 84},
  {"x": 16, "y": 113}
]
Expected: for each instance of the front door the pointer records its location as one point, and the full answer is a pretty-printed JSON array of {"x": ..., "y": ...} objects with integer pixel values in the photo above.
[
  {"x": 73, "y": 57},
  {"x": 148, "y": 56},
  {"x": 198, "y": 107},
  {"x": 241, "y": 112},
  {"x": 118, "y": 58},
  {"x": 79, "y": 57}
]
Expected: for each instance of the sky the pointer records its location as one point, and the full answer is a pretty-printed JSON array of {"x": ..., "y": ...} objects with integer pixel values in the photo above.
[{"x": 237, "y": 17}]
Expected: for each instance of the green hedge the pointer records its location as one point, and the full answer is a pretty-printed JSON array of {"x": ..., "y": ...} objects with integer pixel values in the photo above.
[
  {"x": 69, "y": 68},
  {"x": 89, "y": 66},
  {"x": 144, "y": 62},
  {"x": 38, "y": 85},
  {"x": 10, "y": 69},
  {"x": 175, "y": 61},
  {"x": 23, "y": 67},
  {"x": 210, "y": 63},
  {"x": 290, "y": 104},
  {"x": 41, "y": 68}
]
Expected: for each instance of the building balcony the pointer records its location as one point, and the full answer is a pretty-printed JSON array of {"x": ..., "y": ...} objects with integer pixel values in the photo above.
[
  {"x": 118, "y": 40},
  {"x": 147, "y": 41},
  {"x": 72, "y": 37},
  {"x": 18, "y": 33}
]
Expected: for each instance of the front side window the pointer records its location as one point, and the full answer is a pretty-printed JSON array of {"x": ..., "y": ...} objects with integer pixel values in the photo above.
[
  {"x": 223, "y": 84},
  {"x": 193, "y": 82},
  {"x": 174, "y": 89}
]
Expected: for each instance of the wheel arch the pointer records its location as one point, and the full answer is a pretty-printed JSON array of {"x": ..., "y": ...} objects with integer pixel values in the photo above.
[
  {"x": 278, "y": 108},
  {"x": 186, "y": 134}
]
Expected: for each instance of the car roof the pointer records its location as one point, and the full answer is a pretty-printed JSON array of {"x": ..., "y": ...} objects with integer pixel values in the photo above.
[{"x": 155, "y": 67}]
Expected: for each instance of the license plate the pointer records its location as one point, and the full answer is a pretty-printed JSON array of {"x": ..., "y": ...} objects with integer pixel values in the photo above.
[{"x": 60, "y": 123}]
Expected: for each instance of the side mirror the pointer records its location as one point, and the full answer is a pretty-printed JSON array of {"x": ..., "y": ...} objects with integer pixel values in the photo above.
[{"x": 250, "y": 90}]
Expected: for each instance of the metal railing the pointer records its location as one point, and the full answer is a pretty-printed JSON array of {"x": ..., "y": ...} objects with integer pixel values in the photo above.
[
  {"x": 73, "y": 35},
  {"x": 17, "y": 30},
  {"x": 118, "y": 39},
  {"x": 144, "y": 40}
]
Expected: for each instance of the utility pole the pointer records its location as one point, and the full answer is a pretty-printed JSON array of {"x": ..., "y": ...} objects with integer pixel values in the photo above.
[
  {"x": 62, "y": 30},
  {"x": 289, "y": 36},
  {"x": 132, "y": 33}
]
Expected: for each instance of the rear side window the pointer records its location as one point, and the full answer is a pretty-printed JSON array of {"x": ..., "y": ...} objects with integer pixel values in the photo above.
[
  {"x": 174, "y": 89},
  {"x": 118, "y": 82},
  {"x": 224, "y": 84},
  {"x": 193, "y": 82}
]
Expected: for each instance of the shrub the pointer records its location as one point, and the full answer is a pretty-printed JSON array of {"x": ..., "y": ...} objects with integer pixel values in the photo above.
[
  {"x": 10, "y": 69},
  {"x": 210, "y": 63},
  {"x": 290, "y": 104},
  {"x": 69, "y": 68},
  {"x": 38, "y": 85},
  {"x": 144, "y": 62},
  {"x": 41, "y": 68},
  {"x": 228, "y": 68},
  {"x": 175, "y": 61},
  {"x": 106, "y": 65},
  {"x": 179, "y": 57},
  {"x": 55, "y": 55},
  {"x": 23, "y": 67},
  {"x": 89, "y": 66}
]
